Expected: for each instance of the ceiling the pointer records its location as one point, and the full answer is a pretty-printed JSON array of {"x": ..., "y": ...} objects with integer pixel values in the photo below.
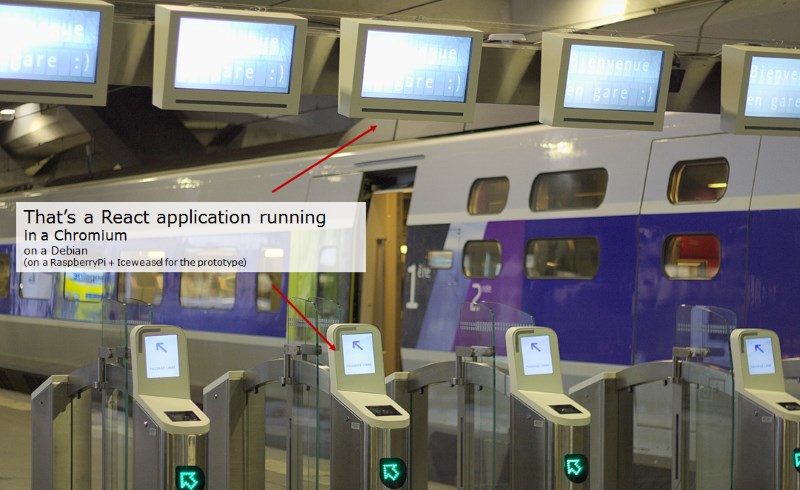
[{"x": 48, "y": 145}]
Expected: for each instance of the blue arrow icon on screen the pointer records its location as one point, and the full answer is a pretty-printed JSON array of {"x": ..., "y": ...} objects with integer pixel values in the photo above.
[
  {"x": 357, "y": 345},
  {"x": 533, "y": 346},
  {"x": 160, "y": 346},
  {"x": 758, "y": 348}
]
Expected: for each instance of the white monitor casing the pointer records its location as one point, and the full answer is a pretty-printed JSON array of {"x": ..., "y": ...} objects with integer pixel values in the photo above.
[
  {"x": 543, "y": 389},
  {"x": 353, "y": 43}
]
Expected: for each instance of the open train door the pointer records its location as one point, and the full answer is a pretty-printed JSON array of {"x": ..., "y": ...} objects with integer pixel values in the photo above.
[
  {"x": 382, "y": 283},
  {"x": 693, "y": 232},
  {"x": 335, "y": 287}
]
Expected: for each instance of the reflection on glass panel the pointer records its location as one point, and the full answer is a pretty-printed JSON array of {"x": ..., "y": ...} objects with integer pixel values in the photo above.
[
  {"x": 267, "y": 299},
  {"x": 214, "y": 290},
  {"x": 144, "y": 286},
  {"x": 698, "y": 181},
  {"x": 482, "y": 259},
  {"x": 691, "y": 256},
  {"x": 488, "y": 196},
  {"x": 5, "y": 274},
  {"x": 652, "y": 436},
  {"x": 36, "y": 285},
  {"x": 562, "y": 258},
  {"x": 574, "y": 189}
]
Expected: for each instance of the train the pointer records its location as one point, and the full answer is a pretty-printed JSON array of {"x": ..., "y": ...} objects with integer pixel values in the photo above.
[{"x": 599, "y": 234}]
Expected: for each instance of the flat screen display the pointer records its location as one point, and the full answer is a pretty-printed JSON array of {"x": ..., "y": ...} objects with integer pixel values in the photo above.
[
  {"x": 357, "y": 354},
  {"x": 49, "y": 44},
  {"x": 161, "y": 356},
  {"x": 759, "y": 355},
  {"x": 416, "y": 66},
  {"x": 83, "y": 286},
  {"x": 612, "y": 78},
  {"x": 773, "y": 89},
  {"x": 220, "y": 54},
  {"x": 536, "y": 355}
]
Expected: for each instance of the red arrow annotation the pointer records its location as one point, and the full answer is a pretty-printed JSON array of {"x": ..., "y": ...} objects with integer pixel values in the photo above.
[
  {"x": 371, "y": 129},
  {"x": 333, "y": 347}
]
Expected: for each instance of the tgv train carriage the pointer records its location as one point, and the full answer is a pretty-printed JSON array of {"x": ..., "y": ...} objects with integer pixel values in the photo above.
[{"x": 599, "y": 234}]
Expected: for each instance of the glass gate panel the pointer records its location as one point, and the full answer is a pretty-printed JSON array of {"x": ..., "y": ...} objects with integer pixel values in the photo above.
[{"x": 117, "y": 319}]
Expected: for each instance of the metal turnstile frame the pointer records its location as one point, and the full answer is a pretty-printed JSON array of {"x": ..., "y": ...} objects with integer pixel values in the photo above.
[{"x": 609, "y": 398}]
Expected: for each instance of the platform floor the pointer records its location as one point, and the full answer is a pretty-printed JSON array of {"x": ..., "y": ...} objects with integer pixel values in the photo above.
[{"x": 15, "y": 441}]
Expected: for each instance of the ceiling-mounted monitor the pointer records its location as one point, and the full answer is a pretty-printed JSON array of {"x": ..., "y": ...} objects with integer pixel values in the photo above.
[
  {"x": 220, "y": 60},
  {"x": 402, "y": 70},
  {"x": 760, "y": 91},
  {"x": 604, "y": 82},
  {"x": 54, "y": 51}
]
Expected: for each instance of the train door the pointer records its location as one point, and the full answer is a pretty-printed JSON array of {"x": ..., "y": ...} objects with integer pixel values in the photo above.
[
  {"x": 693, "y": 232},
  {"x": 382, "y": 283}
]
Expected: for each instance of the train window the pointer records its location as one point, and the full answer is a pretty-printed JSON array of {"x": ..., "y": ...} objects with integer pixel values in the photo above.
[
  {"x": 488, "y": 196},
  {"x": 562, "y": 258},
  {"x": 5, "y": 275},
  {"x": 144, "y": 286},
  {"x": 482, "y": 259},
  {"x": 440, "y": 259},
  {"x": 267, "y": 299},
  {"x": 212, "y": 290},
  {"x": 574, "y": 189},
  {"x": 691, "y": 256},
  {"x": 83, "y": 286},
  {"x": 698, "y": 181},
  {"x": 36, "y": 285}
]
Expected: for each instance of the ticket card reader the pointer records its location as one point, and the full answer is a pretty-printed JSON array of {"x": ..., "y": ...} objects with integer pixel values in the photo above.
[
  {"x": 767, "y": 427},
  {"x": 369, "y": 431},
  {"x": 169, "y": 448},
  {"x": 549, "y": 431}
]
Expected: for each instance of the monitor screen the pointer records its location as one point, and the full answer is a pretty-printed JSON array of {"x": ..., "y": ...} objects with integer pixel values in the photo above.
[
  {"x": 536, "y": 355},
  {"x": 613, "y": 78},
  {"x": 773, "y": 89},
  {"x": 416, "y": 66},
  {"x": 49, "y": 44},
  {"x": 220, "y": 54},
  {"x": 161, "y": 356},
  {"x": 760, "y": 359},
  {"x": 358, "y": 354}
]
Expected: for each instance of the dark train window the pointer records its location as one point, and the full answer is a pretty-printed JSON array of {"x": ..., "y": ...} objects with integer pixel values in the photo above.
[
  {"x": 562, "y": 258},
  {"x": 691, "y": 257},
  {"x": 144, "y": 286},
  {"x": 83, "y": 286},
  {"x": 482, "y": 259},
  {"x": 698, "y": 181},
  {"x": 5, "y": 275},
  {"x": 267, "y": 299},
  {"x": 488, "y": 196},
  {"x": 36, "y": 285},
  {"x": 212, "y": 290},
  {"x": 574, "y": 189}
]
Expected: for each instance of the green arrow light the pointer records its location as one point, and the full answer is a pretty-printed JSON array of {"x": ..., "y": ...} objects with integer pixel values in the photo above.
[
  {"x": 797, "y": 459},
  {"x": 189, "y": 478},
  {"x": 576, "y": 467},
  {"x": 392, "y": 472}
]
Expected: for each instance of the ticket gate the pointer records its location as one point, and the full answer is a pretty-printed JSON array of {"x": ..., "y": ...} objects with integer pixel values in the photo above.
[
  {"x": 666, "y": 423},
  {"x": 767, "y": 435},
  {"x": 169, "y": 430},
  {"x": 368, "y": 431},
  {"x": 550, "y": 432}
]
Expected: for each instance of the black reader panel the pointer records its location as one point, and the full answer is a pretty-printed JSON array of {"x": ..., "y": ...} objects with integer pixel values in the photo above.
[
  {"x": 186, "y": 416},
  {"x": 383, "y": 410},
  {"x": 791, "y": 406},
  {"x": 565, "y": 409}
]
